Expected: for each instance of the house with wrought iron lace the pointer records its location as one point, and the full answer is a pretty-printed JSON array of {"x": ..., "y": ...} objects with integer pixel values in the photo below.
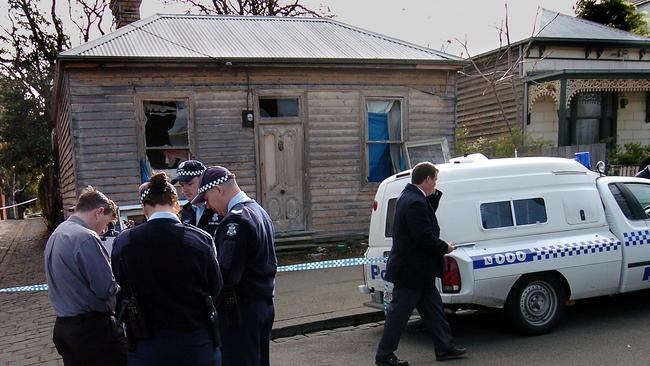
[{"x": 576, "y": 84}]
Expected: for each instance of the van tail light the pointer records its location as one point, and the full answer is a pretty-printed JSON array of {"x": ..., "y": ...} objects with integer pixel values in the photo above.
[
  {"x": 374, "y": 206},
  {"x": 450, "y": 275}
]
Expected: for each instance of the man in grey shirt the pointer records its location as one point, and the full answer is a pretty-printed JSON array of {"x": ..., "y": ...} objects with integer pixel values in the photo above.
[{"x": 81, "y": 286}]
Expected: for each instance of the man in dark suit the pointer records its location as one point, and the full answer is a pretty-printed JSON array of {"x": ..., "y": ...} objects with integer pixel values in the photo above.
[{"x": 413, "y": 264}]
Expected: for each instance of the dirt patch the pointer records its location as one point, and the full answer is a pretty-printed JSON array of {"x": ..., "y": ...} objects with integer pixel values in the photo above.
[{"x": 323, "y": 253}]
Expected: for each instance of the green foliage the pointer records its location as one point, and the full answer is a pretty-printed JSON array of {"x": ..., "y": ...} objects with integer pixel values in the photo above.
[
  {"x": 24, "y": 129},
  {"x": 502, "y": 146},
  {"x": 632, "y": 153},
  {"x": 618, "y": 14}
]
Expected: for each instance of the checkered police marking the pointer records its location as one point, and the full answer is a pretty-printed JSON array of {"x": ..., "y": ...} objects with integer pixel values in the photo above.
[
  {"x": 213, "y": 183},
  {"x": 41, "y": 287},
  {"x": 635, "y": 238},
  {"x": 336, "y": 263},
  {"x": 545, "y": 253},
  {"x": 191, "y": 172},
  {"x": 575, "y": 249},
  {"x": 144, "y": 194}
]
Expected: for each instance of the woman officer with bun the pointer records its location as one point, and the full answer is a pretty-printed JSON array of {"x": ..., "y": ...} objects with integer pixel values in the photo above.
[{"x": 169, "y": 269}]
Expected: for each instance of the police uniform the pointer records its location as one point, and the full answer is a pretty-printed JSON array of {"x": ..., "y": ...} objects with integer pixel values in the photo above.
[
  {"x": 245, "y": 243},
  {"x": 209, "y": 219},
  {"x": 171, "y": 268}
]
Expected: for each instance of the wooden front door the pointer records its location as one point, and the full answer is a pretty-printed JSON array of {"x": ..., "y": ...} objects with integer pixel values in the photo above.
[{"x": 281, "y": 168}]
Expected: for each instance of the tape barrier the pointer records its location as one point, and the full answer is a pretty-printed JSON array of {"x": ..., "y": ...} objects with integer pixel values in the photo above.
[
  {"x": 18, "y": 204},
  {"x": 27, "y": 288},
  {"x": 336, "y": 263}
]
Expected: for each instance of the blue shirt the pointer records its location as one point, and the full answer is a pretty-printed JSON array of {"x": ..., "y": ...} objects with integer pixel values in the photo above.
[
  {"x": 239, "y": 197},
  {"x": 78, "y": 271},
  {"x": 198, "y": 212},
  {"x": 164, "y": 215}
]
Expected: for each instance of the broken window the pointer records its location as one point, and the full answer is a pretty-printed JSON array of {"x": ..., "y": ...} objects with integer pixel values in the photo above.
[
  {"x": 384, "y": 142},
  {"x": 166, "y": 133},
  {"x": 435, "y": 151}
]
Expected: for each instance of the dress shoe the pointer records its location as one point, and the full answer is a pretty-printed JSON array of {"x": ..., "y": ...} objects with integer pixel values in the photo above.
[
  {"x": 453, "y": 352},
  {"x": 391, "y": 360}
]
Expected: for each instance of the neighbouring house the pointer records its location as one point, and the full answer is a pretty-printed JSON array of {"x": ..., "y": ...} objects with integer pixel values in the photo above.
[
  {"x": 643, "y": 5},
  {"x": 309, "y": 113},
  {"x": 579, "y": 85}
]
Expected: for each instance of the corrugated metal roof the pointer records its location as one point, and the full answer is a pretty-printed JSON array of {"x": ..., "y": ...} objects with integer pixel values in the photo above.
[
  {"x": 252, "y": 38},
  {"x": 556, "y": 25}
]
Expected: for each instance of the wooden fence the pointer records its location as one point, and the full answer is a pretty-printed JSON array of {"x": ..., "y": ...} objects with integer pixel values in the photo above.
[{"x": 622, "y": 170}]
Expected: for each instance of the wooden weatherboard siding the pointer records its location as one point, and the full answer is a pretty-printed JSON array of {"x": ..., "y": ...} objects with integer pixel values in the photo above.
[
  {"x": 65, "y": 149},
  {"x": 478, "y": 109},
  {"x": 104, "y": 110}
]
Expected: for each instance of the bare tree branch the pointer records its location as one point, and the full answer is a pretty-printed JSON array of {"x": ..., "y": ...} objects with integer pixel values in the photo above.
[{"x": 255, "y": 7}]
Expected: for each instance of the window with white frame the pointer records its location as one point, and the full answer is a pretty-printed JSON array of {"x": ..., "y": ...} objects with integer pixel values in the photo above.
[
  {"x": 529, "y": 211},
  {"x": 166, "y": 134},
  {"x": 384, "y": 139}
]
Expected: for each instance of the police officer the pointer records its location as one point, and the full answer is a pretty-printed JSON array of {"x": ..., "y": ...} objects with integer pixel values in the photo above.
[
  {"x": 245, "y": 242},
  {"x": 169, "y": 275},
  {"x": 188, "y": 175}
]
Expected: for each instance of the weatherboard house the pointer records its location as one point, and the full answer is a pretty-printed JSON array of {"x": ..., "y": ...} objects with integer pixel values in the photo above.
[{"x": 309, "y": 113}]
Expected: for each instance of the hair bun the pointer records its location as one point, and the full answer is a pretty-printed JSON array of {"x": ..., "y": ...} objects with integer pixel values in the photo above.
[{"x": 159, "y": 181}]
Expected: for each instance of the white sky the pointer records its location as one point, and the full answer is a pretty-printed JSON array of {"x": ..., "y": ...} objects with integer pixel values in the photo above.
[{"x": 428, "y": 23}]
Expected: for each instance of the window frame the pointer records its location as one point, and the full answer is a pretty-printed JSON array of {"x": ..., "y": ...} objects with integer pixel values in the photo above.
[
  {"x": 513, "y": 213},
  {"x": 141, "y": 119},
  {"x": 436, "y": 141},
  {"x": 393, "y": 201},
  {"x": 607, "y": 125},
  {"x": 403, "y": 99},
  {"x": 279, "y": 94},
  {"x": 631, "y": 200}
]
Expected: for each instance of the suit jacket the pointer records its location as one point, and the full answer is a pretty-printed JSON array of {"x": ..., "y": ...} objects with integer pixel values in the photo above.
[{"x": 416, "y": 257}]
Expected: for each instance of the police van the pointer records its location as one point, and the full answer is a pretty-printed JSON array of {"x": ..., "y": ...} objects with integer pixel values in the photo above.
[{"x": 530, "y": 233}]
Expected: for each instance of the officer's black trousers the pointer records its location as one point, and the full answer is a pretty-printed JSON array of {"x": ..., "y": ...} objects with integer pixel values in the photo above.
[
  {"x": 175, "y": 348},
  {"x": 429, "y": 304},
  {"x": 248, "y": 344},
  {"x": 89, "y": 339}
]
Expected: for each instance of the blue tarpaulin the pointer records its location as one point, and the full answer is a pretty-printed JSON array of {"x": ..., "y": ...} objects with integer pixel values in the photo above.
[
  {"x": 144, "y": 171},
  {"x": 379, "y": 162}
]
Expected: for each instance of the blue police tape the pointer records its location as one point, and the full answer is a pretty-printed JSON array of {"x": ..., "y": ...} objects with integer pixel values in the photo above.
[
  {"x": 41, "y": 287},
  {"x": 335, "y": 263}
]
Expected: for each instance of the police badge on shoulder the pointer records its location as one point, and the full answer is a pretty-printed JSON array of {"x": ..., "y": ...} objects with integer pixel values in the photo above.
[{"x": 231, "y": 230}]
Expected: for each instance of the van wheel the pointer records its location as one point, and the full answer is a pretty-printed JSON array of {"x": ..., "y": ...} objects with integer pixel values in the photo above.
[{"x": 536, "y": 303}]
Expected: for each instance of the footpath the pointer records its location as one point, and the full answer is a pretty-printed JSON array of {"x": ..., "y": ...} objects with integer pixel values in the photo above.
[
  {"x": 306, "y": 301},
  {"x": 26, "y": 318}
]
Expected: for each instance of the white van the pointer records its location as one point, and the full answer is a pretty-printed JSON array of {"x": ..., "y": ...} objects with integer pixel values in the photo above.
[{"x": 530, "y": 234}]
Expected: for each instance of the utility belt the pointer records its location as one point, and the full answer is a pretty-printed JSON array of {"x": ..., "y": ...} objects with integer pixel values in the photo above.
[
  {"x": 231, "y": 303},
  {"x": 83, "y": 317},
  {"x": 136, "y": 324}
]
